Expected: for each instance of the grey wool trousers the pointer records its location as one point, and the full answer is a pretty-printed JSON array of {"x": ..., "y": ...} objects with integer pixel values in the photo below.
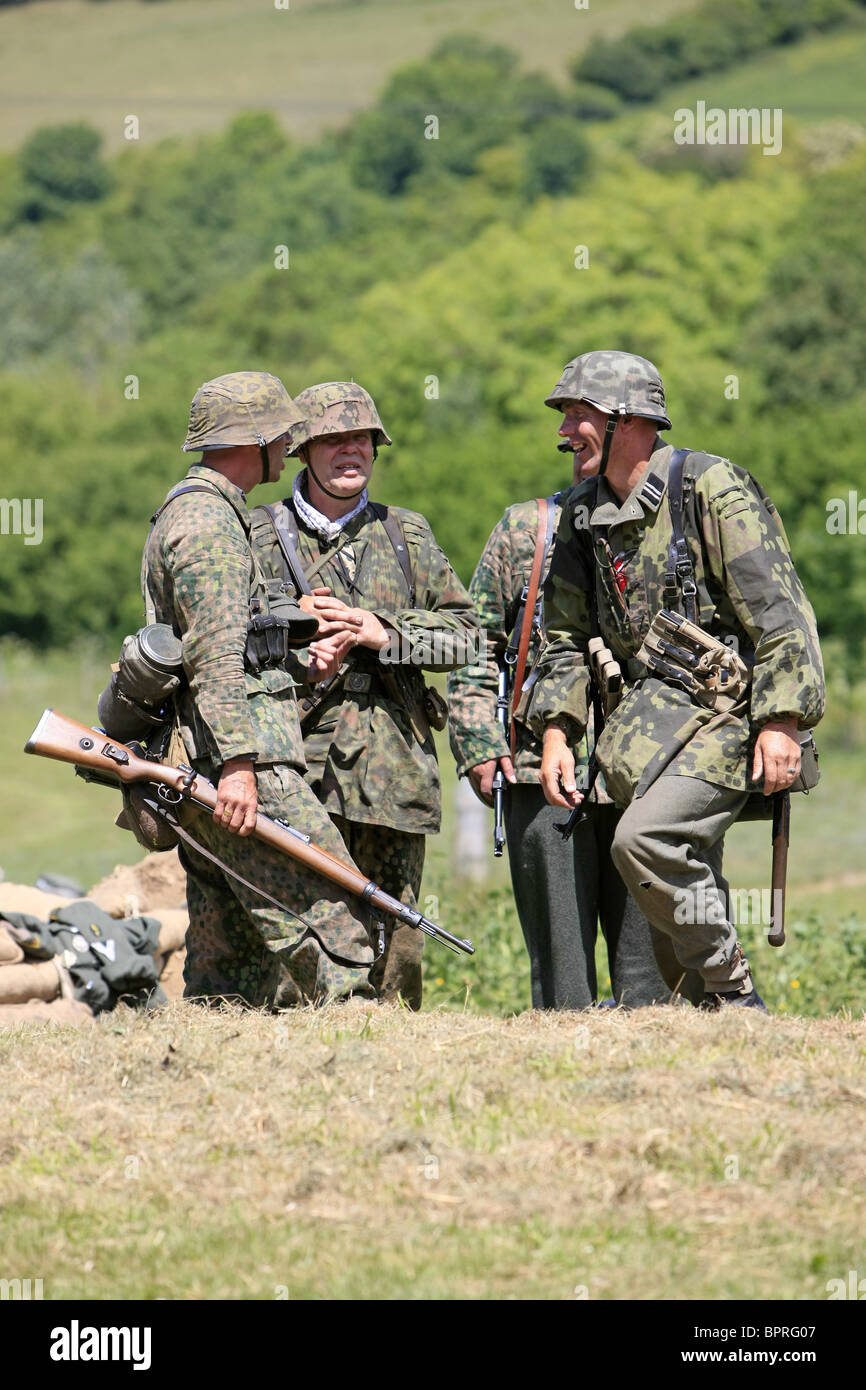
[
  {"x": 668, "y": 848},
  {"x": 564, "y": 891}
]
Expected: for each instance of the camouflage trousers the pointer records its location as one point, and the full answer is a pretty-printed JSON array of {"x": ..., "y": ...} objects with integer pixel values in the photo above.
[
  {"x": 395, "y": 860},
  {"x": 242, "y": 947}
]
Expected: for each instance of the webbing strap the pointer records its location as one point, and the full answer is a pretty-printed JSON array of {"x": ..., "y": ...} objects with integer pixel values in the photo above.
[
  {"x": 287, "y": 539},
  {"x": 397, "y": 537},
  {"x": 679, "y": 574}
]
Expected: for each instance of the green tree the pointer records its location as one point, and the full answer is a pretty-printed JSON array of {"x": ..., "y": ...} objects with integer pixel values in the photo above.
[
  {"x": 61, "y": 165},
  {"x": 557, "y": 157}
]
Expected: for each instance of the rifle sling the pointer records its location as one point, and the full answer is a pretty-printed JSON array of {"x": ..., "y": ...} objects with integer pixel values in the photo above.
[
  {"x": 543, "y": 531},
  {"x": 198, "y": 848}
]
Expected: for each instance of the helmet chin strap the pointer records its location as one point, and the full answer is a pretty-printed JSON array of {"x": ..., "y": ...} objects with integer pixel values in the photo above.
[
  {"x": 337, "y": 496},
  {"x": 266, "y": 461},
  {"x": 610, "y": 425}
]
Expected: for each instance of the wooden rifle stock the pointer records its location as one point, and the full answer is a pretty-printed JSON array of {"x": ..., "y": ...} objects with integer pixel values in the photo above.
[{"x": 55, "y": 736}]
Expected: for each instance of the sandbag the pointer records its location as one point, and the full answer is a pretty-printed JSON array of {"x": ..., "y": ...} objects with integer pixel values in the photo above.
[
  {"x": 58, "y": 1011},
  {"x": 21, "y": 983},
  {"x": 10, "y": 952}
]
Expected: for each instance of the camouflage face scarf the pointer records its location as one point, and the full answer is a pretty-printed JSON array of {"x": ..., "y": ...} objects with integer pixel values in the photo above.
[{"x": 315, "y": 519}]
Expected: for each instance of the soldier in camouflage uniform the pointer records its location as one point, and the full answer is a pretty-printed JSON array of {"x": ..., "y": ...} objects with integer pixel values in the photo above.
[
  {"x": 562, "y": 889},
  {"x": 240, "y": 726},
  {"x": 381, "y": 585},
  {"x": 682, "y": 769}
]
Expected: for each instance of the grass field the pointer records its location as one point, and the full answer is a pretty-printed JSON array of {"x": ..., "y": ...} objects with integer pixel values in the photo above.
[
  {"x": 375, "y": 1155},
  {"x": 190, "y": 65}
]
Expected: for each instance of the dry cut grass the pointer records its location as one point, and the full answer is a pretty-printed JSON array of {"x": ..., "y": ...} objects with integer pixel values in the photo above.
[{"x": 364, "y": 1152}]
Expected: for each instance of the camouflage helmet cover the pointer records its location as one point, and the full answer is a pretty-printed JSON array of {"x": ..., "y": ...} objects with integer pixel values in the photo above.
[
  {"x": 240, "y": 408},
  {"x": 333, "y": 407},
  {"x": 616, "y": 382}
]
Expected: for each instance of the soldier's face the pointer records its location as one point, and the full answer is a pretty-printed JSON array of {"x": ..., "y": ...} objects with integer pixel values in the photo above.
[
  {"x": 343, "y": 462},
  {"x": 583, "y": 427},
  {"x": 277, "y": 456}
]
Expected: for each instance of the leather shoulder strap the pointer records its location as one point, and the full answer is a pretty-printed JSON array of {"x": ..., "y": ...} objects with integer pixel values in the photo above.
[
  {"x": 544, "y": 531},
  {"x": 285, "y": 532},
  {"x": 397, "y": 537}
]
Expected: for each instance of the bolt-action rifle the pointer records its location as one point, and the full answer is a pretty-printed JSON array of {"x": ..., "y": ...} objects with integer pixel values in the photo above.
[
  {"x": 498, "y": 784},
  {"x": 103, "y": 759}
]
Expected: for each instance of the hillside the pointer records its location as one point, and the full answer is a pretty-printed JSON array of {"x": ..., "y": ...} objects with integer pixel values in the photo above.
[{"x": 65, "y": 60}]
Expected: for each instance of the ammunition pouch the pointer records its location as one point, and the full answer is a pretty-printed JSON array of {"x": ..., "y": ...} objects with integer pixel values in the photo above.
[
  {"x": 680, "y": 652},
  {"x": 273, "y": 635},
  {"x": 607, "y": 674}
]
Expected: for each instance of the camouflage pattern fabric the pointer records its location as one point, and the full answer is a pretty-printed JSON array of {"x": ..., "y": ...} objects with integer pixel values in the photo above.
[
  {"x": 333, "y": 407},
  {"x": 615, "y": 382},
  {"x": 748, "y": 591},
  {"x": 238, "y": 944},
  {"x": 364, "y": 762},
  {"x": 394, "y": 860},
  {"x": 200, "y": 573},
  {"x": 497, "y": 584},
  {"x": 237, "y": 409}
]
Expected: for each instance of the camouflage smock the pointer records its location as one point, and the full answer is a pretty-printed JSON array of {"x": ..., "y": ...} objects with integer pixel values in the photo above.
[
  {"x": 496, "y": 588},
  {"x": 747, "y": 587},
  {"x": 200, "y": 573},
  {"x": 364, "y": 761}
]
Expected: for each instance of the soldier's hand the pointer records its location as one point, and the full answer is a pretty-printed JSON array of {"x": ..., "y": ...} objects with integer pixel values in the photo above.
[
  {"x": 237, "y": 799},
  {"x": 334, "y": 616},
  {"x": 777, "y": 755},
  {"x": 328, "y": 654},
  {"x": 482, "y": 774},
  {"x": 557, "y": 770}
]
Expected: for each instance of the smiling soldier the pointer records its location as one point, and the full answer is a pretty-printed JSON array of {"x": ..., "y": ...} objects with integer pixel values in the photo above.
[{"x": 389, "y": 602}]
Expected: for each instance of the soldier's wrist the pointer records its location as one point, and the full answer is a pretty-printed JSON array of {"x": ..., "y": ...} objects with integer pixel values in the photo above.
[{"x": 562, "y": 728}]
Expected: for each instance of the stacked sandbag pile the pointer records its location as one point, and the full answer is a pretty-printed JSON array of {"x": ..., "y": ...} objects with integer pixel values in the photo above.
[{"x": 63, "y": 960}]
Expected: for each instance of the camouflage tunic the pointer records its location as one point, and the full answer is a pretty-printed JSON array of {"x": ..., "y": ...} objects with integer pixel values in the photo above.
[
  {"x": 363, "y": 759},
  {"x": 199, "y": 573},
  {"x": 748, "y": 590},
  {"x": 496, "y": 588}
]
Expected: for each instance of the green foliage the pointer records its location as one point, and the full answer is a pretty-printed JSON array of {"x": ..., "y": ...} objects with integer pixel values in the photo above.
[
  {"x": 644, "y": 61},
  {"x": 455, "y": 302},
  {"x": 61, "y": 165},
  {"x": 71, "y": 311},
  {"x": 810, "y": 333},
  {"x": 557, "y": 157},
  {"x": 441, "y": 115}
]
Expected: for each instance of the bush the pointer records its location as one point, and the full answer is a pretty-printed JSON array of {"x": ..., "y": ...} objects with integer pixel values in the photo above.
[
  {"x": 557, "y": 157},
  {"x": 61, "y": 165},
  {"x": 644, "y": 60},
  {"x": 589, "y": 101}
]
